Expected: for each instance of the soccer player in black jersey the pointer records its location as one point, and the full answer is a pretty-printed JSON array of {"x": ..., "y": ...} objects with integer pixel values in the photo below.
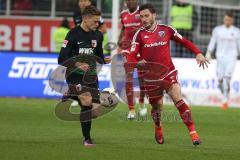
[{"x": 80, "y": 51}]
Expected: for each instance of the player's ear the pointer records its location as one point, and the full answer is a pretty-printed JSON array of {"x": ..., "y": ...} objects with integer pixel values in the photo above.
[
  {"x": 85, "y": 18},
  {"x": 154, "y": 15}
]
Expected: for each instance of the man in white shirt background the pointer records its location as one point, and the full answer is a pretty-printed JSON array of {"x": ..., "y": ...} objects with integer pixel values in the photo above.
[{"x": 225, "y": 41}]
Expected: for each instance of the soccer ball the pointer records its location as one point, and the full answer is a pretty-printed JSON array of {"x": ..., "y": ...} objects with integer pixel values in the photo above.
[{"x": 108, "y": 99}]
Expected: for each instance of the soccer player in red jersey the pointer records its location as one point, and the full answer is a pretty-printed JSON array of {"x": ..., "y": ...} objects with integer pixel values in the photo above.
[
  {"x": 130, "y": 19},
  {"x": 152, "y": 42}
]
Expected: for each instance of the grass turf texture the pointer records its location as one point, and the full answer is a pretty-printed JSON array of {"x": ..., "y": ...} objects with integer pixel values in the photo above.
[{"x": 30, "y": 130}]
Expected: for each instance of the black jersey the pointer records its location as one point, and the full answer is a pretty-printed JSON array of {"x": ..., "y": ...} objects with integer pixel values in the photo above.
[{"x": 82, "y": 46}]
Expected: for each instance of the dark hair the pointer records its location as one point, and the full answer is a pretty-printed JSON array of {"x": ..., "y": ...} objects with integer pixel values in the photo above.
[
  {"x": 65, "y": 23},
  {"x": 91, "y": 10},
  {"x": 148, "y": 6},
  {"x": 229, "y": 14},
  {"x": 79, "y": 0}
]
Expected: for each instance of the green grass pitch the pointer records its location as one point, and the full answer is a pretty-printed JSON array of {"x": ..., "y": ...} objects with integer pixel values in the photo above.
[{"x": 29, "y": 130}]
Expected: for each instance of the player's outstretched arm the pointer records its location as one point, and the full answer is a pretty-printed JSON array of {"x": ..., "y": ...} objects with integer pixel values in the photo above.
[{"x": 202, "y": 61}]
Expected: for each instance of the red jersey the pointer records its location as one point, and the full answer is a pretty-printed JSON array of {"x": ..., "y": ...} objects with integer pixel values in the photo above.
[
  {"x": 154, "y": 46},
  {"x": 131, "y": 23}
]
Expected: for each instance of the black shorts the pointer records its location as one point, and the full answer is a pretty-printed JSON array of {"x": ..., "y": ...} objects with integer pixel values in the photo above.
[{"x": 79, "y": 84}]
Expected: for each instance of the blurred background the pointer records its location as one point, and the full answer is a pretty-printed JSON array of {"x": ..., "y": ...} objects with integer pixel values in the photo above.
[{"x": 206, "y": 14}]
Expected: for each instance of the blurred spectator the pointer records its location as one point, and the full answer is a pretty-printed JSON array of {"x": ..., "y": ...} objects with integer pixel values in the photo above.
[
  {"x": 103, "y": 28},
  {"x": 106, "y": 6},
  {"x": 2, "y": 6},
  {"x": 182, "y": 15},
  {"x": 60, "y": 34},
  {"x": 22, "y": 5},
  {"x": 77, "y": 15},
  {"x": 63, "y": 6}
]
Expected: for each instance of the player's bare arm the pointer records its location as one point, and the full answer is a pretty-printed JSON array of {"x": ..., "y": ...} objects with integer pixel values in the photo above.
[{"x": 120, "y": 36}]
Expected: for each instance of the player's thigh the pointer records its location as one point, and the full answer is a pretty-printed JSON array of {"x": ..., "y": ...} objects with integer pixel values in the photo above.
[
  {"x": 175, "y": 92},
  {"x": 74, "y": 85},
  {"x": 84, "y": 87},
  {"x": 92, "y": 89},
  {"x": 230, "y": 68},
  {"x": 154, "y": 93},
  {"x": 220, "y": 69}
]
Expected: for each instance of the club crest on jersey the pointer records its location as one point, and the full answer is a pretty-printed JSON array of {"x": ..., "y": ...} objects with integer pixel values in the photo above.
[
  {"x": 94, "y": 43},
  {"x": 161, "y": 33}
]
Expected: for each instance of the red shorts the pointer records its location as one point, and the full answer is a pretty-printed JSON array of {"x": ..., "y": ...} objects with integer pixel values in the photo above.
[{"x": 155, "y": 87}]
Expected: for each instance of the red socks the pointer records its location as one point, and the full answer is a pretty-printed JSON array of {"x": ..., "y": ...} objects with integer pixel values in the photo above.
[
  {"x": 156, "y": 117},
  {"x": 186, "y": 115},
  {"x": 129, "y": 94}
]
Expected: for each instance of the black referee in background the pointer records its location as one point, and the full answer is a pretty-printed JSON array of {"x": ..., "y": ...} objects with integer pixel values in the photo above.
[{"x": 81, "y": 50}]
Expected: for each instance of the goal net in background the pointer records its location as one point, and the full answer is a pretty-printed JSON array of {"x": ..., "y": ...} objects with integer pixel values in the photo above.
[
  {"x": 200, "y": 87},
  {"x": 208, "y": 14}
]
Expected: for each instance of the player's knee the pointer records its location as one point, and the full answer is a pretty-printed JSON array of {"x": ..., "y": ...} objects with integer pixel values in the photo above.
[
  {"x": 155, "y": 101},
  {"x": 175, "y": 97},
  {"x": 85, "y": 99},
  {"x": 220, "y": 81}
]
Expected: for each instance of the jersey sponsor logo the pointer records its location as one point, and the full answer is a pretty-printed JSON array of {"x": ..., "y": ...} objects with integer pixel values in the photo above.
[
  {"x": 94, "y": 43},
  {"x": 86, "y": 51},
  {"x": 161, "y": 33},
  {"x": 132, "y": 24},
  {"x": 65, "y": 42},
  {"x": 125, "y": 18},
  {"x": 162, "y": 43},
  {"x": 33, "y": 68}
]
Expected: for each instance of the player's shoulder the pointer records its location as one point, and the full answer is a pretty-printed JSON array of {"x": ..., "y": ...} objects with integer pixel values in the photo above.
[
  {"x": 125, "y": 11},
  {"x": 98, "y": 33},
  {"x": 168, "y": 27},
  {"x": 236, "y": 28},
  {"x": 138, "y": 32},
  {"x": 217, "y": 28},
  {"x": 164, "y": 25},
  {"x": 74, "y": 30}
]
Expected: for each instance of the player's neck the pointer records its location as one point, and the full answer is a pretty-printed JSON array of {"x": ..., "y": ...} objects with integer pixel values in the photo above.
[
  {"x": 228, "y": 26},
  {"x": 132, "y": 10},
  {"x": 84, "y": 27},
  {"x": 152, "y": 27}
]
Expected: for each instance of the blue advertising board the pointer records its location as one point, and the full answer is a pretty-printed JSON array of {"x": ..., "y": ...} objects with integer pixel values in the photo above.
[{"x": 26, "y": 75}]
